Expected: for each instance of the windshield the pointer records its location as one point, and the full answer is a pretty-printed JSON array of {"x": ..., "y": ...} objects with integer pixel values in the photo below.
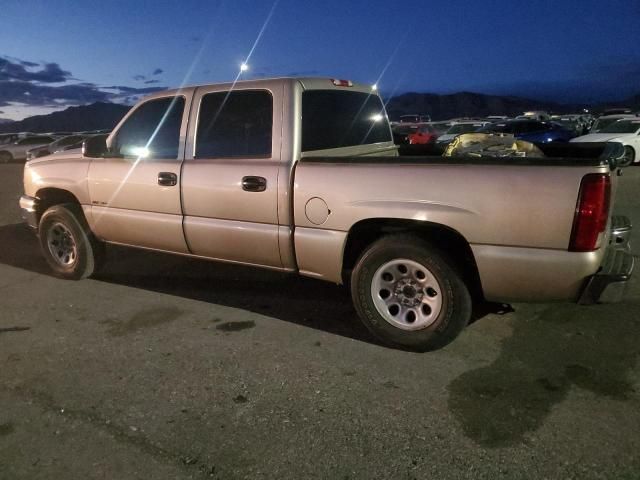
[
  {"x": 70, "y": 140},
  {"x": 603, "y": 123},
  {"x": 463, "y": 128},
  {"x": 622, "y": 126}
]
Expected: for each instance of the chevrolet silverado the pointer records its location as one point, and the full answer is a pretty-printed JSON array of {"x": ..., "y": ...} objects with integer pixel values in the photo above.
[{"x": 301, "y": 175}]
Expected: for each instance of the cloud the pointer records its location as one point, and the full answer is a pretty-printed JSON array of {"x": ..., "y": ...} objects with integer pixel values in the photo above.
[
  {"x": 148, "y": 82},
  {"x": 32, "y": 85},
  {"x": 157, "y": 71},
  {"x": 122, "y": 89},
  {"x": 43, "y": 95},
  {"x": 139, "y": 77},
  {"x": 32, "y": 72}
]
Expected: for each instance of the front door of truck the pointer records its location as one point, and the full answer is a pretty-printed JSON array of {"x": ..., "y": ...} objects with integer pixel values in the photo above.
[
  {"x": 230, "y": 174},
  {"x": 135, "y": 190}
]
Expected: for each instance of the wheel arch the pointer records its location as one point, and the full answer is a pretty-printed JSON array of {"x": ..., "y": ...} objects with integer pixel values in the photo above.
[
  {"x": 446, "y": 239},
  {"x": 50, "y": 196}
]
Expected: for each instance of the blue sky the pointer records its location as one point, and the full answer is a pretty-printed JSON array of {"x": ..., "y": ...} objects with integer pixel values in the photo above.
[{"x": 564, "y": 50}]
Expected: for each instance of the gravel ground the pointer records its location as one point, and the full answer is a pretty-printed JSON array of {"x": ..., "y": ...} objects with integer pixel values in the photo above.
[{"x": 164, "y": 367}]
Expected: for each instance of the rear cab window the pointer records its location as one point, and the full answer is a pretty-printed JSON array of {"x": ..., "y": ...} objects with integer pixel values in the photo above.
[{"x": 334, "y": 119}]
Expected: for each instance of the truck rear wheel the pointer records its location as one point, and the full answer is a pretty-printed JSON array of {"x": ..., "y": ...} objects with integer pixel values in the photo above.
[
  {"x": 408, "y": 295},
  {"x": 67, "y": 243}
]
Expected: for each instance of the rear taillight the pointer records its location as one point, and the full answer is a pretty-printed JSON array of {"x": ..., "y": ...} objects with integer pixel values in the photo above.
[{"x": 592, "y": 212}]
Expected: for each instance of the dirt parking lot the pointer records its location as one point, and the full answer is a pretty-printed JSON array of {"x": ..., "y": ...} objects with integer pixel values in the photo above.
[{"x": 164, "y": 367}]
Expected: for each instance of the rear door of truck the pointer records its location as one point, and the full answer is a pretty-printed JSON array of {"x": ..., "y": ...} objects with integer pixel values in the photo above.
[{"x": 230, "y": 173}]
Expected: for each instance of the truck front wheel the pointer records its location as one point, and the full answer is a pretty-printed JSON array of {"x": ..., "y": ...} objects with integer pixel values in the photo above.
[
  {"x": 408, "y": 295},
  {"x": 67, "y": 243}
]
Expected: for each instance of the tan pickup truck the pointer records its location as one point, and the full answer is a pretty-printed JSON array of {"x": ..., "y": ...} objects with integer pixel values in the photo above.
[{"x": 302, "y": 176}]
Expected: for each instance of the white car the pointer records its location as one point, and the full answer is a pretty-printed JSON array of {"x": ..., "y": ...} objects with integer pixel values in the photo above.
[
  {"x": 18, "y": 150},
  {"x": 458, "y": 129},
  {"x": 625, "y": 131}
]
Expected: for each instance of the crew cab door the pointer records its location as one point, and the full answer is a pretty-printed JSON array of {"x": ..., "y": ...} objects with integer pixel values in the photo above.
[
  {"x": 230, "y": 174},
  {"x": 135, "y": 190}
]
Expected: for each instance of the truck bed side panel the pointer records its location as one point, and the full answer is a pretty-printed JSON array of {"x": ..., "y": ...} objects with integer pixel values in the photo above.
[{"x": 528, "y": 207}]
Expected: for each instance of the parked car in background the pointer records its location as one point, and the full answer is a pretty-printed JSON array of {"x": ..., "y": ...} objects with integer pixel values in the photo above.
[
  {"x": 401, "y": 132},
  {"x": 606, "y": 120},
  {"x": 442, "y": 126},
  {"x": 8, "y": 138},
  {"x": 61, "y": 144},
  {"x": 570, "y": 123},
  {"x": 534, "y": 115},
  {"x": 617, "y": 111},
  {"x": 59, "y": 134},
  {"x": 423, "y": 135},
  {"x": 625, "y": 131},
  {"x": 531, "y": 131},
  {"x": 415, "y": 118},
  {"x": 12, "y": 137},
  {"x": 18, "y": 149},
  {"x": 458, "y": 129}
]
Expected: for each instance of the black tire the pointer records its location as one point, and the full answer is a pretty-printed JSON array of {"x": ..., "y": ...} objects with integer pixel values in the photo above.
[
  {"x": 5, "y": 157},
  {"x": 448, "y": 320},
  {"x": 77, "y": 253}
]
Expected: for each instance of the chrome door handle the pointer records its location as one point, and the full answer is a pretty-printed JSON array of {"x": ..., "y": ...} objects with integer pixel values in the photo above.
[
  {"x": 167, "y": 179},
  {"x": 254, "y": 184}
]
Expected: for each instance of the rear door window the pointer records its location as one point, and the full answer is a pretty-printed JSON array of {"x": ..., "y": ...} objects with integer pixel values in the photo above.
[
  {"x": 335, "y": 119},
  {"x": 235, "y": 124}
]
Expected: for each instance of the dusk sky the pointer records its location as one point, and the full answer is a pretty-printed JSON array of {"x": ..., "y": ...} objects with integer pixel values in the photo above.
[{"x": 56, "y": 53}]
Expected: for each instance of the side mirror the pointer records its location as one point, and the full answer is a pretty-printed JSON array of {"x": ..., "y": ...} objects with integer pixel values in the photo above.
[{"x": 95, "y": 147}]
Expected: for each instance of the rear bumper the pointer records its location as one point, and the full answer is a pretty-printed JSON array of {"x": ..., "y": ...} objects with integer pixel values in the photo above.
[
  {"x": 609, "y": 284},
  {"x": 28, "y": 207}
]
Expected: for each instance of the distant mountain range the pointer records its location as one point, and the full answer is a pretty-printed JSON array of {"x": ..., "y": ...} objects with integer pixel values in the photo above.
[
  {"x": 101, "y": 116},
  {"x": 97, "y": 116}
]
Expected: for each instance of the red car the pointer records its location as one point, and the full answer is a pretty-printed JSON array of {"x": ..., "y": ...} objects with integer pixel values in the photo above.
[{"x": 423, "y": 135}]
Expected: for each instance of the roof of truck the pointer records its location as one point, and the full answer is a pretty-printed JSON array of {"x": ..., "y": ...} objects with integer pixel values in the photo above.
[{"x": 310, "y": 83}]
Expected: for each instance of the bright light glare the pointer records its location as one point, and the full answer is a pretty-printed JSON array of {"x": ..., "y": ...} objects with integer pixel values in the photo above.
[
  {"x": 374, "y": 87},
  {"x": 377, "y": 118},
  {"x": 140, "y": 152},
  {"x": 244, "y": 67}
]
